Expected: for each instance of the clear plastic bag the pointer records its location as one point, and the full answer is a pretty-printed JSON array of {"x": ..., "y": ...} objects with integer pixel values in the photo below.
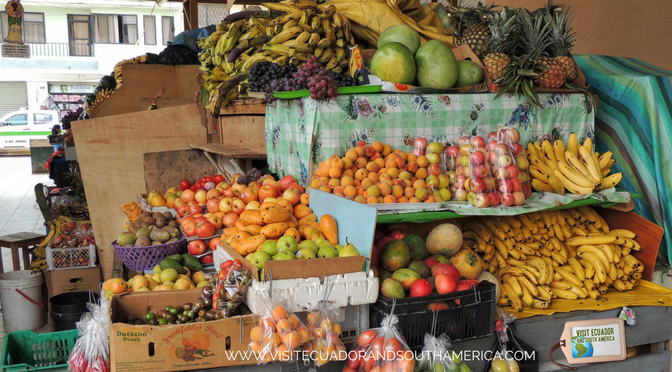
[
  {"x": 323, "y": 325},
  {"x": 479, "y": 183},
  {"x": 91, "y": 352},
  {"x": 508, "y": 165},
  {"x": 382, "y": 349},
  {"x": 230, "y": 292},
  {"x": 278, "y": 334},
  {"x": 437, "y": 355}
]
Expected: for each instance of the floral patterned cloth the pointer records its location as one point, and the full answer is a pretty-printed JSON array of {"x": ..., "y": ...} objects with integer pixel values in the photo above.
[{"x": 302, "y": 132}]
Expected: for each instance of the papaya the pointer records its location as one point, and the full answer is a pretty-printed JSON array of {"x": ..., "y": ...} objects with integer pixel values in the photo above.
[
  {"x": 253, "y": 229},
  {"x": 154, "y": 199},
  {"x": 329, "y": 228},
  {"x": 274, "y": 230},
  {"x": 229, "y": 231},
  {"x": 311, "y": 233},
  {"x": 242, "y": 235},
  {"x": 286, "y": 204},
  {"x": 292, "y": 221},
  {"x": 250, "y": 217},
  {"x": 274, "y": 215},
  {"x": 293, "y": 232},
  {"x": 301, "y": 210},
  {"x": 308, "y": 219},
  {"x": 250, "y": 245},
  {"x": 239, "y": 225}
]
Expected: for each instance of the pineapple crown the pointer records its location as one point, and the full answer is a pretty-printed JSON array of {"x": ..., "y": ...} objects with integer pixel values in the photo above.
[
  {"x": 534, "y": 34},
  {"x": 561, "y": 34},
  {"x": 461, "y": 17},
  {"x": 504, "y": 30}
]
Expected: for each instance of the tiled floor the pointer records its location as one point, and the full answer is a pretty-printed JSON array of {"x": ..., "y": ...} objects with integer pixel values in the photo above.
[{"x": 18, "y": 209}]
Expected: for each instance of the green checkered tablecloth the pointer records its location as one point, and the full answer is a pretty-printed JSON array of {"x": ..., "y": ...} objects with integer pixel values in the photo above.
[{"x": 302, "y": 132}]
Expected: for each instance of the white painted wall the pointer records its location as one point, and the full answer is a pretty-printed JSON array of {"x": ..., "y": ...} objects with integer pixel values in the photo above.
[{"x": 37, "y": 93}]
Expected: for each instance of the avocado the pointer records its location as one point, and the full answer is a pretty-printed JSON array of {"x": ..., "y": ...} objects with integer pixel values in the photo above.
[
  {"x": 191, "y": 262},
  {"x": 176, "y": 257},
  {"x": 108, "y": 82},
  {"x": 169, "y": 263}
]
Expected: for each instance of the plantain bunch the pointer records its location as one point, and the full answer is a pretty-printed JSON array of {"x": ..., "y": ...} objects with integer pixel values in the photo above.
[{"x": 290, "y": 31}]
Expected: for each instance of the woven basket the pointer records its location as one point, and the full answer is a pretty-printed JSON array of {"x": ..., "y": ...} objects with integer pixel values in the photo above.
[{"x": 145, "y": 258}]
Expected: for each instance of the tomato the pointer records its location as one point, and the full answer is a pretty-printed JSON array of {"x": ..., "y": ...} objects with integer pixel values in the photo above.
[
  {"x": 237, "y": 265},
  {"x": 218, "y": 178},
  {"x": 225, "y": 265},
  {"x": 185, "y": 184},
  {"x": 205, "y": 180},
  {"x": 194, "y": 187}
]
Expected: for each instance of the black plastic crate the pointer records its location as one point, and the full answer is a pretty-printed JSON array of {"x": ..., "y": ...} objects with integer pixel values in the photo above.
[{"x": 471, "y": 319}]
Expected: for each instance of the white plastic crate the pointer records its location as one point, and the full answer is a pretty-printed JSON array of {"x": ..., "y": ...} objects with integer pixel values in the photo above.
[
  {"x": 71, "y": 258},
  {"x": 358, "y": 288}
]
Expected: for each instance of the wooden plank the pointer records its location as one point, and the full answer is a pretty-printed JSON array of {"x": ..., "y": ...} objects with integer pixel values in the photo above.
[
  {"x": 240, "y": 107},
  {"x": 110, "y": 151},
  {"x": 624, "y": 207},
  {"x": 650, "y": 240},
  {"x": 243, "y": 131},
  {"x": 141, "y": 83},
  {"x": 229, "y": 151},
  {"x": 166, "y": 169}
]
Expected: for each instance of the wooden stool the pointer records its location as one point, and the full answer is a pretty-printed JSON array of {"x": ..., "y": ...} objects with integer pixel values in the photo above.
[{"x": 17, "y": 241}]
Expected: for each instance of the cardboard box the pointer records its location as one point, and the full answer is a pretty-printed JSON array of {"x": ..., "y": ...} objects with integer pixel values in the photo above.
[
  {"x": 366, "y": 77},
  {"x": 168, "y": 348},
  {"x": 467, "y": 53},
  {"x": 68, "y": 280},
  {"x": 301, "y": 269}
]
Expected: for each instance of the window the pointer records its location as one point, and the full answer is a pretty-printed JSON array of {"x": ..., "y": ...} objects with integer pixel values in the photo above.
[
  {"x": 168, "y": 29},
  {"x": 150, "y": 30},
  {"x": 21, "y": 119},
  {"x": 32, "y": 27},
  {"x": 79, "y": 33},
  {"x": 115, "y": 29},
  {"x": 43, "y": 118}
]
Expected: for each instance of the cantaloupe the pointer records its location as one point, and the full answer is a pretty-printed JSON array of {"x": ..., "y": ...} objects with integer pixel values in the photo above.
[{"x": 444, "y": 240}]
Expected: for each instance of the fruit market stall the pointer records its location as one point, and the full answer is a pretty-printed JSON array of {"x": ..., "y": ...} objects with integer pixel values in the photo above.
[{"x": 632, "y": 122}]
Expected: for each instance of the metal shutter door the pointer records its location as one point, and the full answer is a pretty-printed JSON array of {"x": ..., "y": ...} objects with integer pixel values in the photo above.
[{"x": 13, "y": 96}]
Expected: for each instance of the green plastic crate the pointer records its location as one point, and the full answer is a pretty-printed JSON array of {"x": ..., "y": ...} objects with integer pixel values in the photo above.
[{"x": 30, "y": 351}]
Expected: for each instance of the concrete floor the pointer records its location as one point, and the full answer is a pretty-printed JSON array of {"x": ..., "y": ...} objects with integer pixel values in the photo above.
[{"x": 18, "y": 208}]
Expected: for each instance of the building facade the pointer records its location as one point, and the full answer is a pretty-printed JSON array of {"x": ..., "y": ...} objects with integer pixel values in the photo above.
[{"x": 73, "y": 43}]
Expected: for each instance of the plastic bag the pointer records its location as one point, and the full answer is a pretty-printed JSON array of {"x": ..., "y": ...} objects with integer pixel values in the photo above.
[
  {"x": 278, "y": 334},
  {"x": 175, "y": 54},
  {"x": 230, "y": 291},
  {"x": 478, "y": 182},
  {"x": 383, "y": 348},
  {"x": 436, "y": 355},
  {"x": 437, "y": 179},
  {"x": 419, "y": 146},
  {"x": 511, "y": 354},
  {"x": 323, "y": 324},
  {"x": 508, "y": 165},
  {"x": 91, "y": 352}
]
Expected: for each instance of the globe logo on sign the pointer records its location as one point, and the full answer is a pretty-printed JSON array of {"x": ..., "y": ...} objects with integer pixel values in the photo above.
[{"x": 581, "y": 348}]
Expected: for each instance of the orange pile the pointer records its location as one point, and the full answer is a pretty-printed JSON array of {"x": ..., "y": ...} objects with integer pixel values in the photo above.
[{"x": 327, "y": 343}]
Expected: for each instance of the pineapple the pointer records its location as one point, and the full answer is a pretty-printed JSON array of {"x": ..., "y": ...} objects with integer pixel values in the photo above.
[
  {"x": 535, "y": 31},
  {"x": 563, "y": 40},
  {"x": 470, "y": 26},
  {"x": 500, "y": 46}
]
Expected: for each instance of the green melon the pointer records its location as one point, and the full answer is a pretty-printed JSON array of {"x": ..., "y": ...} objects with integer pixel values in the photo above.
[
  {"x": 468, "y": 73},
  {"x": 403, "y": 34},
  {"x": 394, "y": 63},
  {"x": 436, "y": 65}
]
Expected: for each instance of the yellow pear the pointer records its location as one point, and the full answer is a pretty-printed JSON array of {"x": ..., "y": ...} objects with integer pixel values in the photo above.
[
  {"x": 149, "y": 276},
  {"x": 157, "y": 278},
  {"x": 130, "y": 282},
  {"x": 182, "y": 276},
  {"x": 152, "y": 284},
  {"x": 143, "y": 289},
  {"x": 170, "y": 283},
  {"x": 168, "y": 275},
  {"x": 157, "y": 269},
  {"x": 139, "y": 282}
]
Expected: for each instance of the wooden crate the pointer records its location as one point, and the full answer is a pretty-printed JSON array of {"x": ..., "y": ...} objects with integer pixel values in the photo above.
[
  {"x": 111, "y": 155},
  {"x": 141, "y": 83},
  {"x": 242, "y": 126}
]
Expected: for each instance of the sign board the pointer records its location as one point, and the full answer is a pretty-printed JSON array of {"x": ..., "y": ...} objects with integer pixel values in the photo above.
[
  {"x": 591, "y": 341},
  {"x": 58, "y": 88},
  {"x": 15, "y": 51}
]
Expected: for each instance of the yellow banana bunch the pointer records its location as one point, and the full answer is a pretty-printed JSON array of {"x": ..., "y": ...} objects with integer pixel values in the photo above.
[
  {"x": 574, "y": 167},
  {"x": 39, "y": 263},
  {"x": 565, "y": 254}
]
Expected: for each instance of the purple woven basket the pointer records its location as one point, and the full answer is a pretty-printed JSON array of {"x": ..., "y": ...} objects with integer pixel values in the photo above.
[{"x": 145, "y": 258}]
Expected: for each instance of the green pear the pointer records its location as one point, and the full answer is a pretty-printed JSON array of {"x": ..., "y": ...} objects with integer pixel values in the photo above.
[
  {"x": 326, "y": 252},
  {"x": 287, "y": 243},
  {"x": 348, "y": 251},
  {"x": 323, "y": 243},
  {"x": 270, "y": 247},
  {"x": 308, "y": 244},
  {"x": 258, "y": 258},
  {"x": 338, "y": 248},
  {"x": 284, "y": 255},
  {"x": 306, "y": 253}
]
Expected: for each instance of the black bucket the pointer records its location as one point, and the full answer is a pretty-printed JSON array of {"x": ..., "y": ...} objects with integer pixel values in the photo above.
[{"x": 67, "y": 309}]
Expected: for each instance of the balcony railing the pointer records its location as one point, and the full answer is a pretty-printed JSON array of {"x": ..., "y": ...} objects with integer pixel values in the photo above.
[{"x": 73, "y": 49}]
